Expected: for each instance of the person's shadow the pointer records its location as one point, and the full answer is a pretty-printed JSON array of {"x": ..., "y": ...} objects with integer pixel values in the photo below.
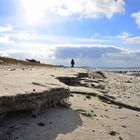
[{"x": 47, "y": 126}]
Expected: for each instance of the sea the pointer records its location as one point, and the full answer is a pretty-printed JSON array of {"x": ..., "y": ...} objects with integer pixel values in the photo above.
[{"x": 133, "y": 71}]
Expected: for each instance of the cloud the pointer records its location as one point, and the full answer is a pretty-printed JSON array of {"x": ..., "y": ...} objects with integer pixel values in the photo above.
[
  {"x": 100, "y": 56},
  {"x": 37, "y": 10},
  {"x": 134, "y": 40},
  {"x": 128, "y": 38},
  {"x": 28, "y": 38},
  {"x": 6, "y": 34},
  {"x": 126, "y": 58},
  {"x": 5, "y": 40},
  {"x": 6, "y": 28},
  {"x": 136, "y": 16},
  {"x": 90, "y": 8},
  {"x": 29, "y": 50},
  {"x": 84, "y": 55},
  {"x": 124, "y": 35},
  {"x": 22, "y": 36},
  {"x": 42, "y": 38},
  {"x": 97, "y": 51},
  {"x": 84, "y": 52}
]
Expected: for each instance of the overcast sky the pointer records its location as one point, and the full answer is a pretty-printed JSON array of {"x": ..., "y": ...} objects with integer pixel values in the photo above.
[{"x": 97, "y": 33}]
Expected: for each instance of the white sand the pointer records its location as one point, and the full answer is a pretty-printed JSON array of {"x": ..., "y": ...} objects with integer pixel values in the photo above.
[{"x": 62, "y": 123}]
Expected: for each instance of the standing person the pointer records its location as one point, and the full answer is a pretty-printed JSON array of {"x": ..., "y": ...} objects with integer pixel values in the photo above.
[{"x": 72, "y": 63}]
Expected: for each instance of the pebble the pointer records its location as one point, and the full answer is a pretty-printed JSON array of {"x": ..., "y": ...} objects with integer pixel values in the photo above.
[{"x": 41, "y": 124}]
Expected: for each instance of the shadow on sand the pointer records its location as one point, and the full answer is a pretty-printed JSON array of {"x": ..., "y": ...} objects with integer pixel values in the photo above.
[{"x": 47, "y": 126}]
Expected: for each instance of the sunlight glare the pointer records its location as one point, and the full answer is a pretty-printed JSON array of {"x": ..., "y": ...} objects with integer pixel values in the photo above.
[{"x": 34, "y": 11}]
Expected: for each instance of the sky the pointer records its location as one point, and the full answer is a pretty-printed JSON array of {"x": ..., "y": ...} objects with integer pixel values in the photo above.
[{"x": 95, "y": 33}]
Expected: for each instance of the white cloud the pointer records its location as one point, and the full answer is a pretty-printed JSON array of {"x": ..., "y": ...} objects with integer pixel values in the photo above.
[
  {"x": 31, "y": 52},
  {"x": 25, "y": 37},
  {"x": 6, "y": 40},
  {"x": 22, "y": 36},
  {"x": 128, "y": 38},
  {"x": 135, "y": 40},
  {"x": 136, "y": 16},
  {"x": 6, "y": 28},
  {"x": 84, "y": 54},
  {"x": 37, "y": 10},
  {"x": 124, "y": 35}
]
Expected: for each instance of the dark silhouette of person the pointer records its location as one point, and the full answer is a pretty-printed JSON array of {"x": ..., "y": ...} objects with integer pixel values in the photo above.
[{"x": 72, "y": 63}]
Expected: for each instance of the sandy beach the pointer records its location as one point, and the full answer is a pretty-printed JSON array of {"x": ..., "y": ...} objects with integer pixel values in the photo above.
[
  {"x": 104, "y": 105},
  {"x": 69, "y": 69}
]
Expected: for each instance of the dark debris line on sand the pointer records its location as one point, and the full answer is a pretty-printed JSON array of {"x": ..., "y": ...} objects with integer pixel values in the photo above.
[
  {"x": 76, "y": 81},
  {"x": 108, "y": 100}
]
